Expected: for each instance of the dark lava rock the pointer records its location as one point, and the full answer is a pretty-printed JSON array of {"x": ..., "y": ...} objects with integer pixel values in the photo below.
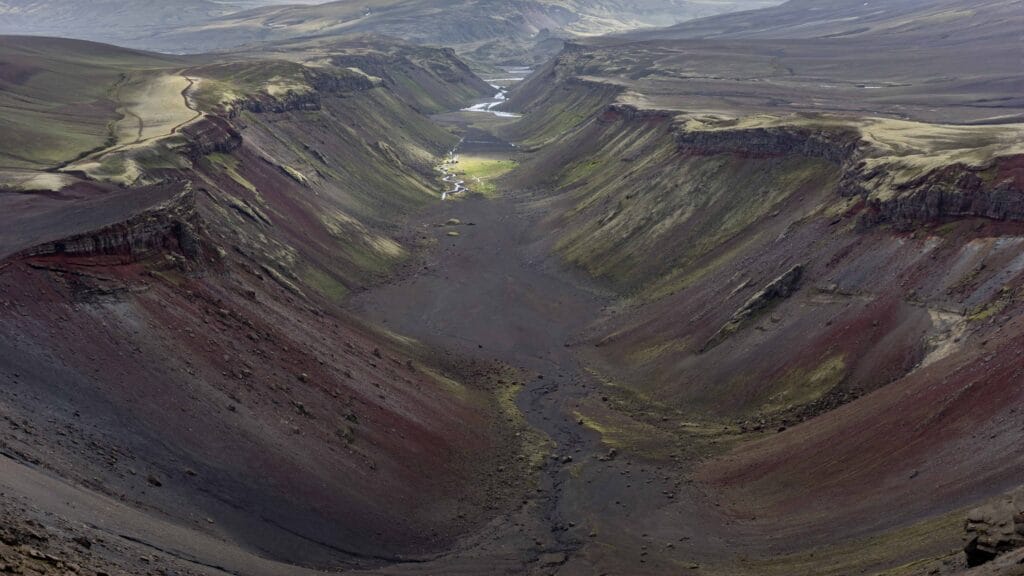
[
  {"x": 779, "y": 289},
  {"x": 995, "y": 528}
]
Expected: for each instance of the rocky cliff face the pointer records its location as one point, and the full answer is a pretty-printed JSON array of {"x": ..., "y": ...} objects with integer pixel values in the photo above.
[
  {"x": 995, "y": 529},
  {"x": 171, "y": 225},
  {"x": 837, "y": 146},
  {"x": 208, "y": 135},
  {"x": 779, "y": 289},
  {"x": 994, "y": 191}
]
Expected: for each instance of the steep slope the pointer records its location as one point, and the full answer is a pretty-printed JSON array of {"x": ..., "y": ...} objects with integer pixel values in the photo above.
[
  {"x": 839, "y": 290},
  {"x": 174, "y": 359}
]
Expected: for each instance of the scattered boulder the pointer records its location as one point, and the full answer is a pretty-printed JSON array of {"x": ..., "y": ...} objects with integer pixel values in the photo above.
[
  {"x": 779, "y": 289},
  {"x": 995, "y": 528},
  {"x": 301, "y": 409},
  {"x": 552, "y": 559},
  {"x": 295, "y": 175}
]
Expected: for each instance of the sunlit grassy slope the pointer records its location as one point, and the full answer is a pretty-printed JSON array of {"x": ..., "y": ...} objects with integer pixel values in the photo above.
[{"x": 60, "y": 99}]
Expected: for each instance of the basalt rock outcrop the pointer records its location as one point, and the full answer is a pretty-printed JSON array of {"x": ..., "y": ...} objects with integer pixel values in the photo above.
[
  {"x": 995, "y": 528},
  {"x": 318, "y": 85},
  {"x": 172, "y": 224},
  {"x": 958, "y": 190},
  {"x": 304, "y": 101},
  {"x": 779, "y": 289},
  {"x": 620, "y": 111},
  {"x": 836, "y": 146},
  {"x": 208, "y": 135}
]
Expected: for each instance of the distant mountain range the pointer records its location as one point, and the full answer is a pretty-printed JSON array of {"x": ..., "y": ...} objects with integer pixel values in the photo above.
[
  {"x": 495, "y": 31},
  {"x": 809, "y": 19}
]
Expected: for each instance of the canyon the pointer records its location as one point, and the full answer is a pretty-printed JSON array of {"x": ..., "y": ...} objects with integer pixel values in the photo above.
[{"x": 738, "y": 296}]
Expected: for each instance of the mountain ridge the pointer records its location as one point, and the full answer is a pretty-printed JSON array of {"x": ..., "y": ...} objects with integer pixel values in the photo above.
[{"x": 488, "y": 30}]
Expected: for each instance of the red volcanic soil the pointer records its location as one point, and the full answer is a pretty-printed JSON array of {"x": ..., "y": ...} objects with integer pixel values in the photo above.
[
  {"x": 222, "y": 404},
  {"x": 918, "y": 442}
]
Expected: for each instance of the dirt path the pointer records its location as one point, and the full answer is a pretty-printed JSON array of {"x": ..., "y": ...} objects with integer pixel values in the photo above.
[
  {"x": 155, "y": 110},
  {"x": 186, "y": 95},
  {"x": 494, "y": 292}
]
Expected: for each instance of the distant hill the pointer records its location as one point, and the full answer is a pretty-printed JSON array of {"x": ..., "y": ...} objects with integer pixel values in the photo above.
[
  {"x": 97, "y": 18},
  {"x": 808, "y": 19},
  {"x": 493, "y": 31},
  {"x": 944, "y": 60}
]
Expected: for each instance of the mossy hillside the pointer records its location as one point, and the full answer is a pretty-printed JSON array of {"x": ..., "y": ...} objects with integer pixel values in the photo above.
[
  {"x": 424, "y": 90},
  {"x": 328, "y": 183},
  {"x": 624, "y": 188},
  {"x": 555, "y": 111},
  {"x": 802, "y": 386},
  {"x": 61, "y": 98},
  {"x": 376, "y": 153},
  {"x": 636, "y": 195},
  {"x": 429, "y": 79}
]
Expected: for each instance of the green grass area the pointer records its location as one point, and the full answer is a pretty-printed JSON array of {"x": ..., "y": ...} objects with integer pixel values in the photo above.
[
  {"x": 229, "y": 165},
  {"x": 60, "y": 99},
  {"x": 482, "y": 172},
  {"x": 804, "y": 386},
  {"x": 221, "y": 84},
  {"x": 325, "y": 284}
]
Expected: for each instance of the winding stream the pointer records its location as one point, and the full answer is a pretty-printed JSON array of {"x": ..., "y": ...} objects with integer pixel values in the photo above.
[
  {"x": 513, "y": 75},
  {"x": 451, "y": 177}
]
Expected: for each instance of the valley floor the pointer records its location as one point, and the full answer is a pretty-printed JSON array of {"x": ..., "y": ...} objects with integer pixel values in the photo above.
[
  {"x": 496, "y": 293},
  {"x": 615, "y": 491}
]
